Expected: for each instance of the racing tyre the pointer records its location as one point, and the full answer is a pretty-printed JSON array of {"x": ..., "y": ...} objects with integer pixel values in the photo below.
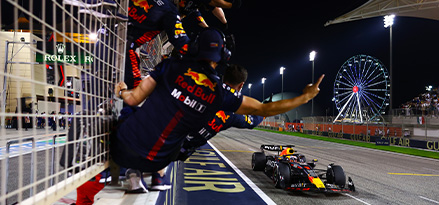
[
  {"x": 335, "y": 175},
  {"x": 276, "y": 177},
  {"x": 258, "y": 161},
  {"x": 284, "y": 175}
]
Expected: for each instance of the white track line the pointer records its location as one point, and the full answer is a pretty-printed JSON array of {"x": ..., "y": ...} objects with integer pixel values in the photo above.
[
  {"x": 245, "y": 178},
  {"x": 357, "y": 199},
  {"x": 431, "y": 200}
]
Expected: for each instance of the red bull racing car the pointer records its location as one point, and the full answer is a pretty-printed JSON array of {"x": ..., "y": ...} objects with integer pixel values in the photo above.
[{"x": 291, "y": 171}]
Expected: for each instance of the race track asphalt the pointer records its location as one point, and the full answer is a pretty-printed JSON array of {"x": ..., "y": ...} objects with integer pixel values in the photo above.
[{"x": 380, "y": 177}]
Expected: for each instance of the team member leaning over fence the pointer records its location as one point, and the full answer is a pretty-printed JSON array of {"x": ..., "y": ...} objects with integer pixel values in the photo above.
[
  {"x": 182, "y": 95},
  {"x": 146, "y": 20},
  {"x": 192, "y": 18}
]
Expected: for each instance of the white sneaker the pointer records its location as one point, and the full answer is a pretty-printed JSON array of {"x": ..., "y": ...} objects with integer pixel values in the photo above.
[{"x": 134, "y": 178}]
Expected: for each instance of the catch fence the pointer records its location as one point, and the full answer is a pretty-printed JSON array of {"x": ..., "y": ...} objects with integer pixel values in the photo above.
[{"x": 59, "y": 67}]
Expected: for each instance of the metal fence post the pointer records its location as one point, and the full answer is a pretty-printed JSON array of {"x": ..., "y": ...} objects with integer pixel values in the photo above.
[{"x": 8, "y": 146}]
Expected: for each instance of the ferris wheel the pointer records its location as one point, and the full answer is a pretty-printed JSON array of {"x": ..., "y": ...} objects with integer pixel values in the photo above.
[{"x": 361, "y": 89}]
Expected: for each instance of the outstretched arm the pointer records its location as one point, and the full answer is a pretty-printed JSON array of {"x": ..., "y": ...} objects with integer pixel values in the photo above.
[
  {"x": 137, "y": 95},
  {"x": 251, "y": 106},
  {"x": 220, "y": 3},
  {"x": 219, "y": 14}
]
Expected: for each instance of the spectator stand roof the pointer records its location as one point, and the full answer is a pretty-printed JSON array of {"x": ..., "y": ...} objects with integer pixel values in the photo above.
[{"x": 428, "y": 9}]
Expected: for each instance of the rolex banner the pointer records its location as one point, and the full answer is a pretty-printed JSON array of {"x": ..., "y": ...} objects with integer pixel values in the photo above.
[{"x": 65, "y": 53}]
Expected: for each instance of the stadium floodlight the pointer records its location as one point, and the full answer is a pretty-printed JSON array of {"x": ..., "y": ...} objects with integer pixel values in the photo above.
[
  {"x": 388, "y": 20},
  {"x": 282, "y": 73},
  {"x": 263, "y": 88},
  {"x": 312, "y": 55},
  {"x": 249, "y": 89},
  {"x": 282, "y": 70}
]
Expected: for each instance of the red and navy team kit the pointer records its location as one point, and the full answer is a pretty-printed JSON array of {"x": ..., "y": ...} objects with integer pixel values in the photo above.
[
  {"x": 147, "y": 18},
  {"x": 188, "y": 94}
]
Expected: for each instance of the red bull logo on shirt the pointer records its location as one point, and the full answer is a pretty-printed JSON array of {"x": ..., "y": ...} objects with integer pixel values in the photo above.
[
  {"x": 214, "y": 126},
  {"x": 132, "y": 12},
  {"x": 142, "y": 3},
  {"x": 198, "y": 91},
  {"x": 201, "y": 79},
  {"x": 221, "y": 115}
]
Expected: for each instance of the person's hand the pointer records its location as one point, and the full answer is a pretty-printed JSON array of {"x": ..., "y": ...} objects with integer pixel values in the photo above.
[
  {"x": 120, "y": 86},
  {"x": 310, "y": 91}
]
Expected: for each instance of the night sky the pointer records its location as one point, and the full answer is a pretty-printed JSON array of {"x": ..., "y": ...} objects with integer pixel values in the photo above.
[
  {"x": 283, "y": 33},
  {"x": 271, "y": 34}
]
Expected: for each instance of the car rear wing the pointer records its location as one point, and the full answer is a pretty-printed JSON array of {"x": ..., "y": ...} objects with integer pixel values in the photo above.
[{"x": 275, "y": 147}]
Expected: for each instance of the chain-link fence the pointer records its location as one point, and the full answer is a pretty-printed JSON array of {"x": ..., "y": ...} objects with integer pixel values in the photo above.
[{"x": 59, "y": 66}]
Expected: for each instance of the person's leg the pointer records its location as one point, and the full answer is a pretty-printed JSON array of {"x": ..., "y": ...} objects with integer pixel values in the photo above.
[
  {"x": 159, "y": 182},
  {"x": 135, "y": 181}
]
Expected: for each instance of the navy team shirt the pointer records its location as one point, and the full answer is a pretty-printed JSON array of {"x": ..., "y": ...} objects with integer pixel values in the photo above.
[
  {"x": 222, "y": 120},
  {"x": 148, "y": 18},
  {"x": 187, "y": 95}
]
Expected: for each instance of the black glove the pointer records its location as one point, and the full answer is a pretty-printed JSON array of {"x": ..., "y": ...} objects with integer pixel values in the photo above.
[
  {"x": 224, "y": 27},
  {"x": 236, "y": 4}
]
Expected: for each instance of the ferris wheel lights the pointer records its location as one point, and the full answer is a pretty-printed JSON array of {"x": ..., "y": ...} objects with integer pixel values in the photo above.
[{"x": 356, "y": 96}]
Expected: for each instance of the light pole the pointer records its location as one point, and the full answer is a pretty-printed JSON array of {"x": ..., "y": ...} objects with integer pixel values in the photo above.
[
  {"x": 312, "y": 56},
  {"x": 263, "y": 88},
  {"x": 282, "y": 73},
  {"x": 249, "y": 89},
  {"x": 388, "y": 22}
]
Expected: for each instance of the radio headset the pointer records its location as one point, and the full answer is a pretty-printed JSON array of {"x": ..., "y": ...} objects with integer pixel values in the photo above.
[{"x": 195, "y": 47}]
